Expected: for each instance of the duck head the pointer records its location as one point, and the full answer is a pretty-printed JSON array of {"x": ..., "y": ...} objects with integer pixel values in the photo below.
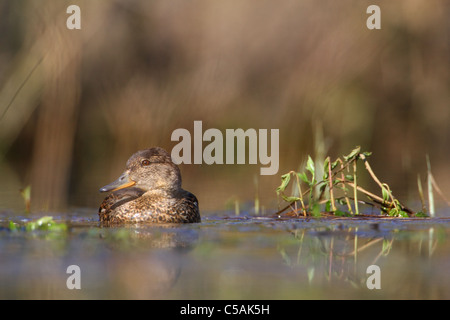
[{"x": 150, "y": 169}]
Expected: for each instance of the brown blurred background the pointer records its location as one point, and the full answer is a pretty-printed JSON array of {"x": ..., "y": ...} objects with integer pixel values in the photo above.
[{"x": 84, "y": 100}]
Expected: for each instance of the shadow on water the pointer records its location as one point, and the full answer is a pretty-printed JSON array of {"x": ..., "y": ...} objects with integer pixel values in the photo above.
[{"x": 230, "y": 258}]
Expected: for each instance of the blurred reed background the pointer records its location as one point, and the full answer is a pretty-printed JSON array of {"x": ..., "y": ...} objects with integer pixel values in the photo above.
[{"x": 84, "y": 100}]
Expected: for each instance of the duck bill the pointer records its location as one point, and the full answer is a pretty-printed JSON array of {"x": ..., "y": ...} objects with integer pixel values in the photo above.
[{"x": 122, "y": 182}]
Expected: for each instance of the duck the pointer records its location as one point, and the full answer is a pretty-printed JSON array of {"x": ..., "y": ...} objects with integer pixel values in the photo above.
[{"x": 149, "y": 190}]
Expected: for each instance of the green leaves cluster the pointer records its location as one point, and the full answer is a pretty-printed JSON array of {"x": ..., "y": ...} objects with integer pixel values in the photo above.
[
  {"x": 45, "y": 223},
  {"x": 337, "y": 186},
  {"x": 300, "y": 176}
]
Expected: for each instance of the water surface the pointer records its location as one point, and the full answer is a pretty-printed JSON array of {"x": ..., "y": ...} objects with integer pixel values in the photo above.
[{"x": 228, "y": 257}]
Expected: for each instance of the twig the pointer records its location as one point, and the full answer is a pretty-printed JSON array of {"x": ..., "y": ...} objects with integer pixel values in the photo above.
[
  {"x": 369, "y": 169},
  {"x": 379, "y": 200},
  {"x": 300, "y": 194},
  {"x": 355, "y": 193},
  {"x": 422, "y": 199},
  {"x": 430, "y": 188},
  {"x": 347, "y": 200},
  {"x": 333, "y": 205}
]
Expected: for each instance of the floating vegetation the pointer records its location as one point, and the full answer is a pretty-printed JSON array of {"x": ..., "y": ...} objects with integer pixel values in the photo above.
[
  {"x": 45, "y": 223},
  {"x": 337, "y": 191}
]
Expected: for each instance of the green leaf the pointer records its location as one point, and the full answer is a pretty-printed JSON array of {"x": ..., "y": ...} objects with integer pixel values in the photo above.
[
  {"x": 285, "y": 178},
  {"x": 46, "y": 220},
  {"x": 303, "y": 177},
  {"x": 352, "y": 154},
  {"x": 340, "y": 213},
  {"x": 291, "y": 198},
  {"x": 385, "y": 192},
  {"x": 334, "y": 164},
  {"x": 394, "y": 212},
  {"x": 45, "y": 223},
  {"x": 12, "y": 226},
  {"x": 420, "y": 214},
  {"x": 316, "y": 210},
  {"x": 328, "y": 206},
  {"x": 349, "y": 177},
  {"x": 325, "y": 168},
  {"x": 26, "y": 195},
  {"x": 310, "y": 166},
  {"x": 30, "y": 226},
  {"x": 403, "y": 214}
]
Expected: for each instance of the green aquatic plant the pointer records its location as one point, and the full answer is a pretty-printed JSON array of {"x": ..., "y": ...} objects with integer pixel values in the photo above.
[
  {"x": 431, "y": 186},
  {"x": 45, "y": 223},
  {"x": 26, "y": 195},
  {"x": 338, "y": 188}
]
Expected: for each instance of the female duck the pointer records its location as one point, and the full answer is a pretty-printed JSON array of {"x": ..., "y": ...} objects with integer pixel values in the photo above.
[{"x": 149, "y": 190}]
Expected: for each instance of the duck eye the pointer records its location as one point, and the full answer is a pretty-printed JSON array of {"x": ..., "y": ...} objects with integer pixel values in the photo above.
[{"x": 145, "y": 162}]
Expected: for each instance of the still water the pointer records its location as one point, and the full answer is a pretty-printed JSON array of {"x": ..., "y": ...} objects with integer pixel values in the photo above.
[{"x": 229, "y": 257}]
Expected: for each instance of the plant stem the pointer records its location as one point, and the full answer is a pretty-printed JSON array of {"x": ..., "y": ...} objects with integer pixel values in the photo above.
[
  {"x": 374, "y": 177},
  {"x": 347, "y": 200},
  {"x": 300, "y": 195},
  {"x": 333, "y": 206},
  {"x": 355, "y": 189},
  {"x": 369, "y": 169},
  {"x": 422, "y": 199},
  {"x": 430, "y": 188}
]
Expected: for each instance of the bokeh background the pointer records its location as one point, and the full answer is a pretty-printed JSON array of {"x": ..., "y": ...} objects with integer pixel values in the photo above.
[{"x": 75, "y": 104}]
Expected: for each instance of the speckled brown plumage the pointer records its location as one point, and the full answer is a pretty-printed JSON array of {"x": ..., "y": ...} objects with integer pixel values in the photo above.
[{"x": 149, "y": 191}]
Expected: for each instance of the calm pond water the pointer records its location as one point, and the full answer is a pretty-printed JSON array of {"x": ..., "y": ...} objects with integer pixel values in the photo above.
[{"x": 228, "y": 257}]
